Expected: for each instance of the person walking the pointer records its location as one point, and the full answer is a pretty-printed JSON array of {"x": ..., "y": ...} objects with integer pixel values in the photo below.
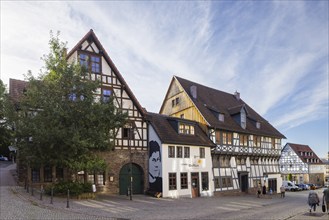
[
  {"x": 313, "y": 200},
  {"x": 259, "y": 190},
  {"x": 325, "y": 198},
  {"x": 283, "y": 191}
]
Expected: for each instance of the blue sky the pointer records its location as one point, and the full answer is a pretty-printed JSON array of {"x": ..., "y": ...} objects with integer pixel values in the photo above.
[{"x": 274, "y": 53}]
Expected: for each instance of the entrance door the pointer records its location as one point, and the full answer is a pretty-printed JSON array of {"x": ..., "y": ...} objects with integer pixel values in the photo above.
[
  {"x": 243, "y": 179},
  {"x": 195, "y": 185},
  {"x": 125, "y": 176}
]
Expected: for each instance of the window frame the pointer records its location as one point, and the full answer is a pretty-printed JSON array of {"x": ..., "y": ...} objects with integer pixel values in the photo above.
[
  {"x": 184, "y": 180},
  {"x": 89, "y": 62},
  {"x": 202, "y": 152},
  {"x": 172, "y": 180},
  {"x": 171, "y": 151}
]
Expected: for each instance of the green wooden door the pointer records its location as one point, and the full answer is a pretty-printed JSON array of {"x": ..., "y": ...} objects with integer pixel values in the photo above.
[{"x": 138, "y": 180}]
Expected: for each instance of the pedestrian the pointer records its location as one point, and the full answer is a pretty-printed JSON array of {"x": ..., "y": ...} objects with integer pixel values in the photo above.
[
  {"x": 283, "y": 191},
  {"x": 259, "y": 190},
  {"x": 313, "y": 200},
  {"x": 264, "y": 190},
  {"x": 325, "y": 198}
]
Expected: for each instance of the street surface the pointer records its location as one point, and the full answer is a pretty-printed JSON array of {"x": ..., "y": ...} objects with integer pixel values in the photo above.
[{"x": 16, "y": 203}]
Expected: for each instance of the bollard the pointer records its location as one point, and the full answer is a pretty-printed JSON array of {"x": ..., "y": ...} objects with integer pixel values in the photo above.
[
  {"x": 41, "y": 192},
  {"x": 68, "y": 197},
  {"x": 51, "y": 195},
  {"x": 32, "y": 193}
]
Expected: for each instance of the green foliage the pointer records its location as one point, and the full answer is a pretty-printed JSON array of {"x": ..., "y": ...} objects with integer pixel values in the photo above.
[
  {"x": 59, "y": 111},
  {"x": 76, "y": 188},
  {"x": 290, "y": 177},
  {"x": 5, "y": 131}
]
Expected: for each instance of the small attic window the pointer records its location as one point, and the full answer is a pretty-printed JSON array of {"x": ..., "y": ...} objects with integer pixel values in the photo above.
[
  {"x": 243, "y": 119},
  {"x": 258, "y": 125},
  {"x": 221, "y": 117}
]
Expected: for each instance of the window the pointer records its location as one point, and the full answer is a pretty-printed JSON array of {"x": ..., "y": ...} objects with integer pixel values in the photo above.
[
  {"x": 171, "y": 151},
  {"x": 179, "y": 152},
  {"x": 205, "y": 181},
  {"x": 95, "y": 64},
  {"x": 172, "y": 181},
  {"x": 172, "y": 103},
  {"x": 217, "y": 182},
  {"x": 221, "y": 117},
  {"x": 202, "y": 152},
  {"x": 273, "y": 142},
  {"x": 35, "y": 175},
  {"x": 47, "y": 174},
  {"x": 224, "y": 161},
  {"x": 226, "y": 181},
  {"x": 243, "y": 140},
  {"x": 91, "y": 178},
  {"x": 127, "y": 132},
  {"x": 177, "y": 100},
  {"x": 106, "y": 94},
  {"x": 218, "y": 139},
  {"x": 91, "y": 62},
  {"x": 100, "y": 179},
  {"x": 59, "y": 173},
  {"x": 186, "y": 129},
  {"x": 186, "y": 152},
  {"x": 227, "y": 138},
  {"x": 183, "y": 180},
  {"x": 256, "y": 141},
  {"x": 243, "y": 119},
  {"x": 182, "y": 116},
  {"x": 241, "y": 161}
]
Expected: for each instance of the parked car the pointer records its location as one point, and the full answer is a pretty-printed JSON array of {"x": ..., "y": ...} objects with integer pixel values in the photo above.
[
  {"x": 290, "y": 186},
  {"x": 312, "y": 186},
  {"x": 2, "y": 158},
  {"x": 303, "y": 186}
]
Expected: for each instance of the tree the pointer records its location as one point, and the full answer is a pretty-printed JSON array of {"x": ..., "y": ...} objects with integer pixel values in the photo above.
[
  {"x": 5, "y": 131},
  {"x": 60, "y": 119}
]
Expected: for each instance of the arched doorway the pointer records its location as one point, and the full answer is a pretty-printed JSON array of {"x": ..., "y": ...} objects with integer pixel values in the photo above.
[{"x": 138, "y": 179}]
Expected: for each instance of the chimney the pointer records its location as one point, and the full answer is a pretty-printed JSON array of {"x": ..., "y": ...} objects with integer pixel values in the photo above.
[
  {"x": 237, "y": 95},
  {"x": 193, "y": 91}
]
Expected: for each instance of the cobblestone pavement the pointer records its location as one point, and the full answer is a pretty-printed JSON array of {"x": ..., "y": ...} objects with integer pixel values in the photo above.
[{"x": 16, "y": 203}]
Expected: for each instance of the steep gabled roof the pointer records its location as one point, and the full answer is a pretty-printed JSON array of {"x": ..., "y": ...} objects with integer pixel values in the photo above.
[
  {"x": 298, "y": 148},
  {"x": 92, "y": 36},
  {"x": 16, "y": 89},
  {"x": 164, "y": 127},
  {"x": 227, "y": 104}
]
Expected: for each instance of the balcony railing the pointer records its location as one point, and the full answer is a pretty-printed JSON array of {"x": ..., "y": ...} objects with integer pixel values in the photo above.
[{"x": 230, "y": 149}]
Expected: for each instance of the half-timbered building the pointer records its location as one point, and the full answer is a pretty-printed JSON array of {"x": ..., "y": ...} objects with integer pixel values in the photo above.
[
  {"x": 130, "y": 152},
  {"x": 298, "y": 163},
  {"x": 247, "y": 147},
  {"x": 180, "y": 162}
]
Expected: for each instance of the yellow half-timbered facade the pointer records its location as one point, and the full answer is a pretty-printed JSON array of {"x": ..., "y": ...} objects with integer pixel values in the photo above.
[{"x": 247, "y": 148}]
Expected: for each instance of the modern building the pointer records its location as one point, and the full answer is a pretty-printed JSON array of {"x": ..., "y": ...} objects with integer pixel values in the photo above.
[
  {"x": 130, "y": 151},
  {"x": 180, "y": 163},
  {"x": 298, "y": 163},
  {"x": 247, "y": 147}
]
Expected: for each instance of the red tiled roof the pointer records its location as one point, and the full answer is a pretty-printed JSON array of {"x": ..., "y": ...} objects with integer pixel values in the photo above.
[{"x": 16, "y": 89}]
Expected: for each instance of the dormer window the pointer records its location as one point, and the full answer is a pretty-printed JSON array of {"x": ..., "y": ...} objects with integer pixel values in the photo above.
[
  {"x": 186, "y": 129},
  {"x": 243, "y": 119},
  {"x": 258, "y": 125},
  {"x": 221, "y": 117}
]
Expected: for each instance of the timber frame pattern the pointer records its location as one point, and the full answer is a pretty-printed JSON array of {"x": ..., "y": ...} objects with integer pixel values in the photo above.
[{"x": 247, "y": 148}]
